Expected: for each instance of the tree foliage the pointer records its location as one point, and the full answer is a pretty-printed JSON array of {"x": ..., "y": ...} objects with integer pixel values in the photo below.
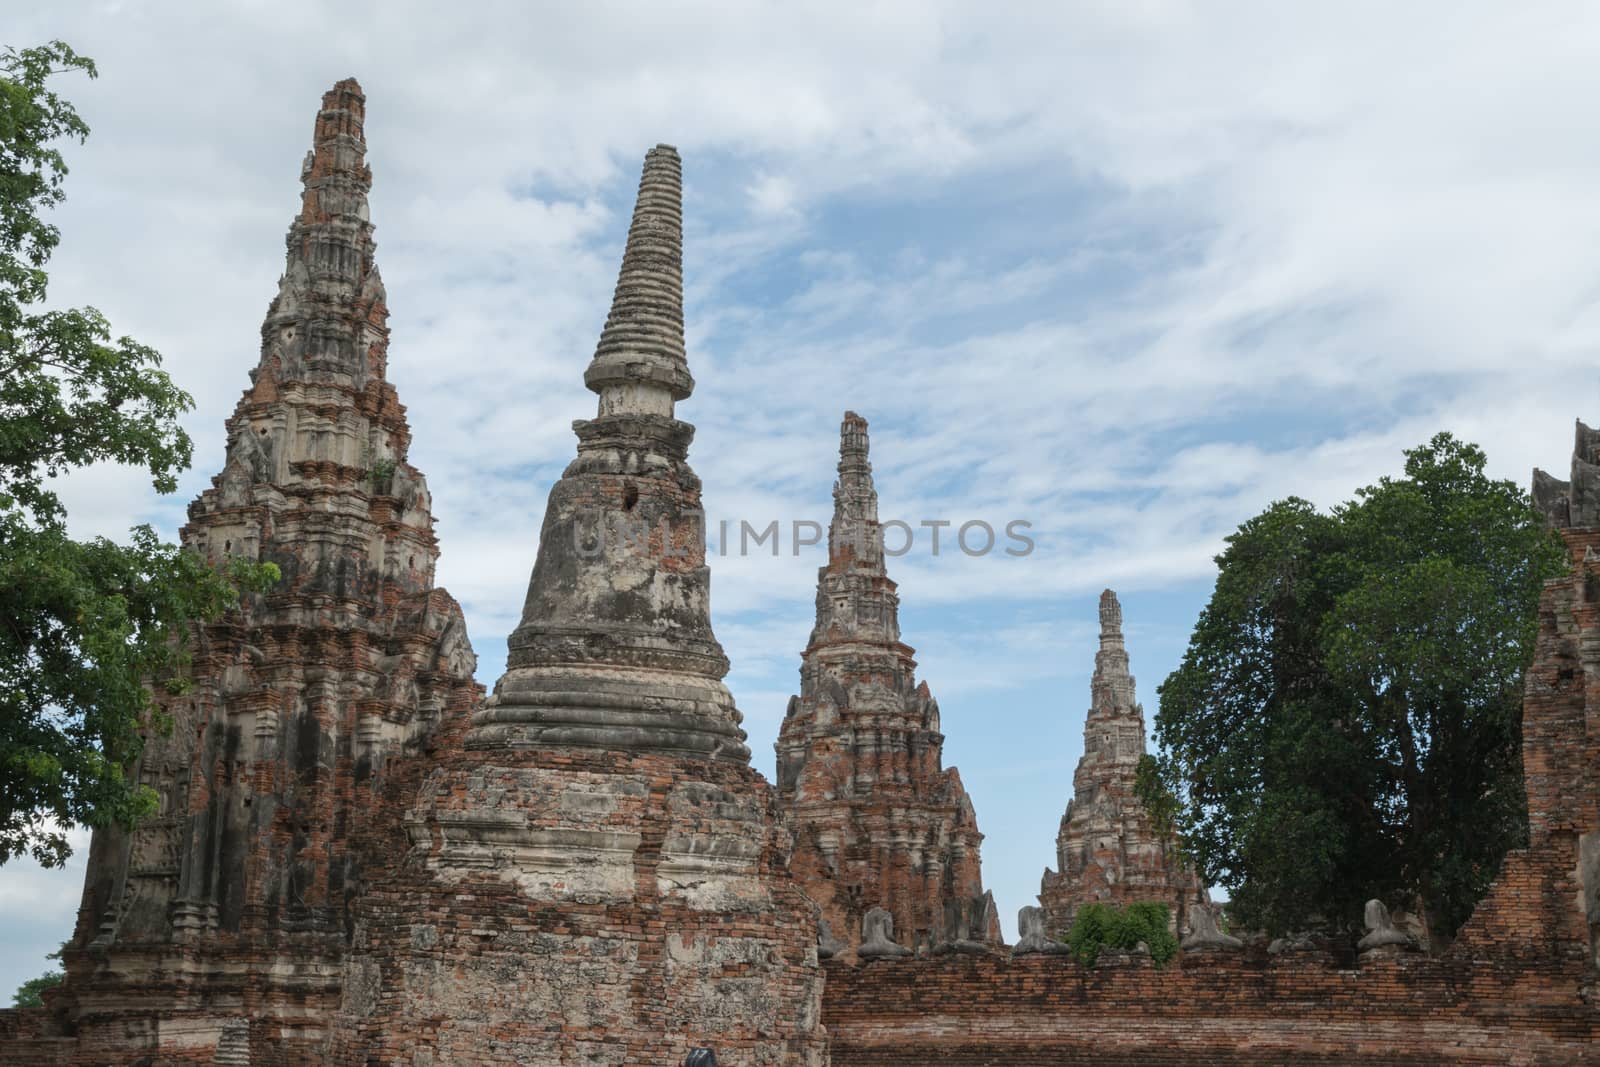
[
  {"x": 1101, "y": 926},
  {"x": 83, "y": 624},
  {"x": 30, "y": 994},
  {"x": 1346, "y": 721}
]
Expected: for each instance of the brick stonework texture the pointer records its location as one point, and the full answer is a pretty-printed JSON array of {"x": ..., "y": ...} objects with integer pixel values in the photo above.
[
  {"x": 878, "y": 821},
  {"x": 1107, "y": 851}
]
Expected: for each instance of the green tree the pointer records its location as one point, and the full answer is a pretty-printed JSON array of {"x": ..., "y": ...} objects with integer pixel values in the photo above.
[
  {"x": 30, "y": 994},
  {"x": 1346, "y": 721},
  {"x": 83, "y": 624}
]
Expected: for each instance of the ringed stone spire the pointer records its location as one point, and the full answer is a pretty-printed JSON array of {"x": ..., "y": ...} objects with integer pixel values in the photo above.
[
  {"x": 640, "y": 364},
  {"x": 1107, "y": 850},
  {"x": 615, "y": 649},
  {"x": 596, "y": 875},
  {"x": 879, "y": 823}
]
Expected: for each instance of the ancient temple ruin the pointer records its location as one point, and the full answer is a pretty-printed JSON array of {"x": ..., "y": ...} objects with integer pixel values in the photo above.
[
  {"x": 1107, "y": 850},
  {"x": 878, "y": 821},
  {"x": 360, "y": 862},
  {"x": 595, "y": 872},
  {"x": 230, "y": 909}
]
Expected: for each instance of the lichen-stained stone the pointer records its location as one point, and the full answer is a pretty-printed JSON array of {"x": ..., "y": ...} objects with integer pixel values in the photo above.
[
  {"x": 220, "y": 924},
  {"x": 878, "y": 821},
  {"x": 595, "y": 874},
  {"x": 1107, "y": 850}
]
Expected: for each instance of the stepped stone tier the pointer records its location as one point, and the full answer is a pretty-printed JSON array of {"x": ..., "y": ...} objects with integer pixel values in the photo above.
[
  {"x": 878, "y": 821},
  {"x": 1107, "y": 850},
  {"x": 223, "y": 920},
  {"x": 595, "y": 874}
]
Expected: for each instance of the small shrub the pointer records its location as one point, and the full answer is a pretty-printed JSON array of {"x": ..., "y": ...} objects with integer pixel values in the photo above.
[
  {"x": 381, "y": 475},
  {"x": 1098, "y": 926}
]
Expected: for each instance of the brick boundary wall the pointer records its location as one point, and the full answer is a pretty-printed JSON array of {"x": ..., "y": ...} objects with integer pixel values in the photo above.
[{"x": 1050, "y": 1011}]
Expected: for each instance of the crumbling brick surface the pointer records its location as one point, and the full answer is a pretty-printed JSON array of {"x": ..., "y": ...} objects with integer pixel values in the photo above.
[{"x": 1039, "y": 1010}]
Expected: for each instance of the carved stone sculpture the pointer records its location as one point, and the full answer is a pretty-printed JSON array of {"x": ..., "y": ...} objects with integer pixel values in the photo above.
[
  {"x": 1031, "y": 936},
  {"x": 1203, "y": 932},
  {"x": 1381, "y": 930},
  {"x": 877, "y": 936}
]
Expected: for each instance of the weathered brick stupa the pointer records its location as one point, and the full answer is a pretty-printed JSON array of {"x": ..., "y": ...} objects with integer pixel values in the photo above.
[
  {"x": 596, "y": 874},
  {"x": 878, "y": 821},
  {"x": 1107, "y": 850},
  {"x": 1559, "y": 871},
  {"x": 222, "y": 921}
]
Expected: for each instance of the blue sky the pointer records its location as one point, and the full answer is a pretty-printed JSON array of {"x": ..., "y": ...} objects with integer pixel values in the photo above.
[{"x": 1130, "y": 271}]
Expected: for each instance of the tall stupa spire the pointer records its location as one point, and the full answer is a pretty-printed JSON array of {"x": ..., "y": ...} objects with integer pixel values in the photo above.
[
  {"x": 640, "y": 366},
  {"x": 602, "y": 806},
  {"x": 621, "y": 576}
]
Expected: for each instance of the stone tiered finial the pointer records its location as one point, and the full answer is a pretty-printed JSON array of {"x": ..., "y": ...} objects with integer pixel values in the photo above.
[
  {"x": 1110, "y": 616},
  {"x": 640, "y": 365},
  {"x": 329, "y": 270},
  {"x": 855, "y": 540}
]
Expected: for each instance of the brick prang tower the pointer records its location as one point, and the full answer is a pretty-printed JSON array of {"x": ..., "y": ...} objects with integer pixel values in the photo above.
[
  {"x": 220, "y": 923},
  {"x": 878, "y": 821},
  {"x": 1108, "y": 851}
]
